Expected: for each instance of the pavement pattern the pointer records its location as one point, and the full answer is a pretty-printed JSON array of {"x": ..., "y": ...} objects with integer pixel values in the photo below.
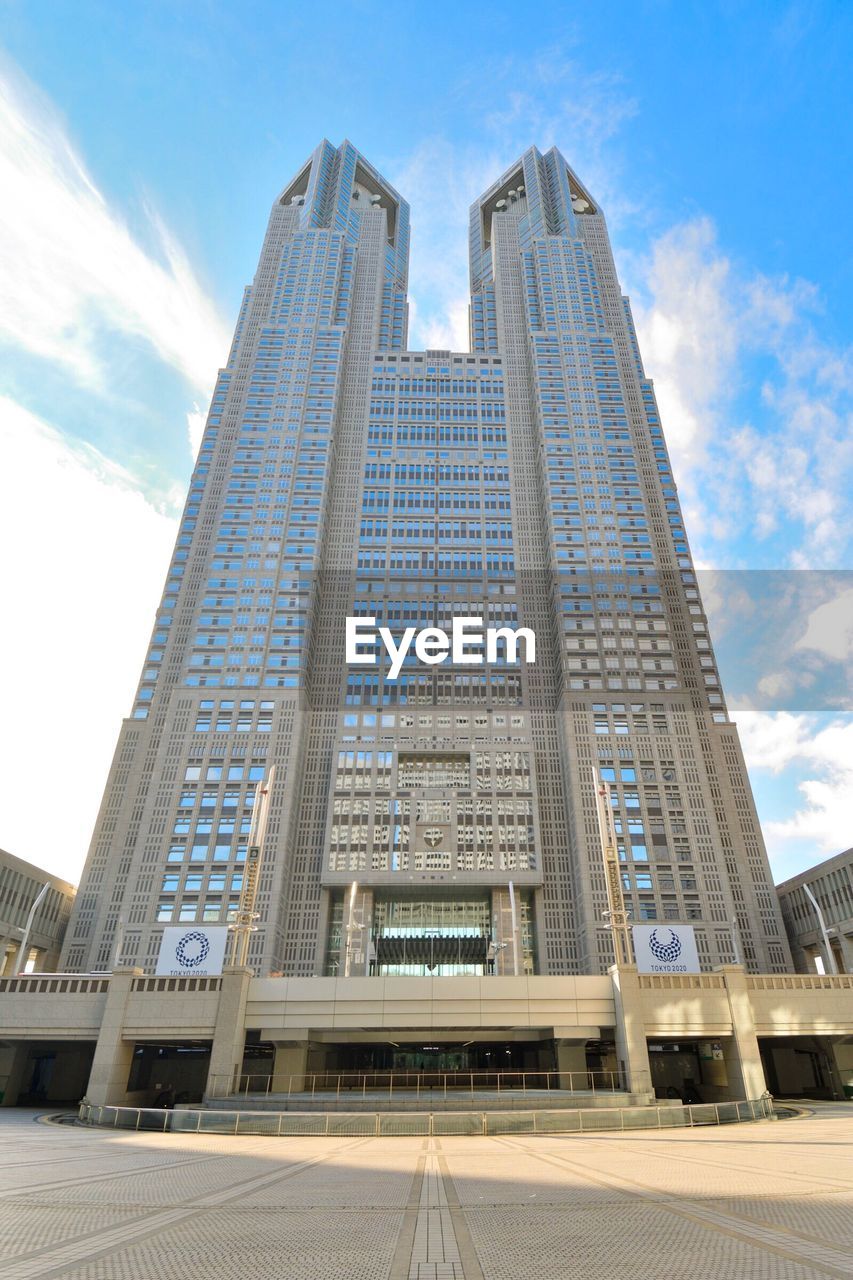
[{"x": 768, "y": 1200}]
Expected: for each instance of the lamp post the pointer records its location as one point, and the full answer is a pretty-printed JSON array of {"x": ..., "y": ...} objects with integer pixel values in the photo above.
[{"x": 22, "y": 949}]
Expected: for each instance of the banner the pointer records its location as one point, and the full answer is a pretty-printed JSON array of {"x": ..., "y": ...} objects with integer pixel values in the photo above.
[
  {"x": 193, "y": 951},
  {"x": 665, "y": 948}
]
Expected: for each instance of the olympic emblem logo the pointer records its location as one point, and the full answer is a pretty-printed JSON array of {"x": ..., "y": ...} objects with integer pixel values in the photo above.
[
  {"x": 665, "y": 951},
  {"x": 192, "y": 949}
]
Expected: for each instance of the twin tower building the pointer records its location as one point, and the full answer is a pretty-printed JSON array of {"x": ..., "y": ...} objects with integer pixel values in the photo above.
[{"x": 434, "y": 813}]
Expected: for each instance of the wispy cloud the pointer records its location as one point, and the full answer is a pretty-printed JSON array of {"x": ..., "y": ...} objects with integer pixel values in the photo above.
[
  {"x": 79, "y": 598},
  {"x": 546, "y": 100},
  {"x": 80, "y": 292},
  {"x": 783, "y": 638},
  {"x": 71, "y": 271},
  {"x": 822, "y": 757},
  {"x": 780, "y": 470}
]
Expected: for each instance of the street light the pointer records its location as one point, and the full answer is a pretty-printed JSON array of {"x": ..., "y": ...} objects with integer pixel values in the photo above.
[{"x": 22, "y": 949}]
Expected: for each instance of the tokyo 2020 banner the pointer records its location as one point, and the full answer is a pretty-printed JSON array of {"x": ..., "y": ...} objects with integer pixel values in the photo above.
[
  {"x": 664, "y": 948},
  {"x": 193, "y": 952}
]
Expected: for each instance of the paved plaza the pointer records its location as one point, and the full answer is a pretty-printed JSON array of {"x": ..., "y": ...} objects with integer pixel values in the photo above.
[{"x": 773, "y": 1199}]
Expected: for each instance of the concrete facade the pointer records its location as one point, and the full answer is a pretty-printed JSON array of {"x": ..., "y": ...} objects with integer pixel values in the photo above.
[
  {"x": 788, "y": 1027},
  {"x": 525, "y": 482},
  {"x": 430, "y": 883},
  {"x": 831, "y": 882},
  {"x": 20, "y": 884}
]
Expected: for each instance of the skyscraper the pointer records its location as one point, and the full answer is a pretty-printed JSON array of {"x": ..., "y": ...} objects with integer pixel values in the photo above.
[{"x": 439, "y": 818}]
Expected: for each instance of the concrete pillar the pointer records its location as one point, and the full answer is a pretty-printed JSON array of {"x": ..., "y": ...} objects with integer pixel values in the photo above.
[
  {"x": 113, "y": 1055},
  {"x": 571, "y": 1064},
  {"x": 743, "y": 1059},
  {"x": 8, "y": 951},
  {"x": 845, "y": 950},
  {"x": 291, "y": 1061},
  {"x": 631, "y": 1048},
  {"x": 840, "y": 1054},
  {"x": 229, "y": 1033},
  {"x": 13, "y": 1064}
]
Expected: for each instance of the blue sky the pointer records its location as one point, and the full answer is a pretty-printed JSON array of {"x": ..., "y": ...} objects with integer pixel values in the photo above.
[{"x": 140, "y": 150}]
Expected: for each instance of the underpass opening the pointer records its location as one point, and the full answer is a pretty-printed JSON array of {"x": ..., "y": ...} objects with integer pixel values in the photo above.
[
  {"x": 692, "y": 1070},
  {"x": 166, "y": 1073},
  {"x": 44, "y": 1072},
  {"x": 818, "y": 1067}
]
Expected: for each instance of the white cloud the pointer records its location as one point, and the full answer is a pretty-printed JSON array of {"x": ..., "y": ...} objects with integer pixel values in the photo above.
[
  {"x": 90, "y": 547},
  {"x": 440, "y": 183},
  {"x": 70, "y": 269},
  {"x": 547, "y": 100},
  {"x": 196, "y": 418},
  {"x": 450, "y": 333},
  {"x": 688, "y": 334},
  {"x": 701, "y": 320},
  {"x": 79, "y": 596},
  {"x": 829, "y": 628},
  {"x": 820, "y": 760}
]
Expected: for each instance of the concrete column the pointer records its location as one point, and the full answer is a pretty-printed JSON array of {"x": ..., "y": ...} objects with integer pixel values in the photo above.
[
  {"x": 845, "y": 949},
  {"x": 743, "y": 1059},
  {"x": 571, "y": 1064},
  {"x": 8, "y": 951},
  {"x": 229, "y": 1033},
  {"x": 291, "y": 1061},
  {"x": 13, "y": 1063},
  {"x": 840, "y": 1055},
  {"x": 113, "y": 1055},
  {"x": 631, "y": 1048}
]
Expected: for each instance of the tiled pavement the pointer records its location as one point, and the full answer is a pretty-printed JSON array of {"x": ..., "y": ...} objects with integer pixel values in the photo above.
[{"x": 761, "y": 1200}]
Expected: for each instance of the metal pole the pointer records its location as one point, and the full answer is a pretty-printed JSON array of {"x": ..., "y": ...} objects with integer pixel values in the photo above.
[
  {"x": 612, "y": 871},
  {"x": 244, "y": 925},
  {"x": 830, "y": 954},
  {"x": 736, "y": 940},
  {"x": 348, "y": 955},
  {"x": 514, "y": 915},
  {"x": 21, "y": 961},
  {"x": 119, "y": 942}
]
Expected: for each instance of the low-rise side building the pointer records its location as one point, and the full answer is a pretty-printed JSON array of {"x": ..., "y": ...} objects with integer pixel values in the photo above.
[
  {"x": 821, "y": 938},
  {"x": 20, "y": 885}
]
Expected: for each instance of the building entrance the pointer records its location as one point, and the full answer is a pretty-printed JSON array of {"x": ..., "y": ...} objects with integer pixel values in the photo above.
[
  {"x": 436, "y": 937},
  {"x": 437, "y": 1058}
]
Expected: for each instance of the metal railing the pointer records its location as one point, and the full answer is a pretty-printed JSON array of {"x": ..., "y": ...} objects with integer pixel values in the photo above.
[
  {"x": 425, "y": 1124},
  {"x": 416, "y": 1083}
]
